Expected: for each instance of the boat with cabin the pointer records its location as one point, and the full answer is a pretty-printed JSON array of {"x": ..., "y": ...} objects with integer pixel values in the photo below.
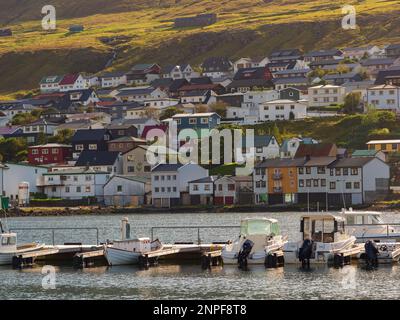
[
  {"x": 129, "y": 251},
  {"x": 323, "y": 239},
  {"x": 369, "y": 225},
  {"x": 9, "y": 247},
  {"x": 258, "y": 238}
]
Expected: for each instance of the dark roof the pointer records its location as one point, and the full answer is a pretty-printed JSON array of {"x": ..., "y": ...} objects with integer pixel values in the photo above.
[
  {"x": 373, "y": 62},
  {"x": 217, "y": 64},
  {"x": 162, "y": 83},
  {"x": 285, "y": 53},
  {"x": 96, "y": 158},
  {"x": 324, "y": 53},
  {"x": 89, "y": 135},
  {"x": 393, "y": 46},
  {"x": 319, "y": 161},
  {"x": 135, "y": 91},
  {"x": 351, "y": 162},
  {"x": 201, "y": 80},
  {"x": 250, "y": 83},
  {"x": 208, "y": 179},
  {"x": 115, "y": 74},
  {"x": 177, "y": 84},
  {"x": 259, "y": 141},
  {"x": 251, "y": 73},
  {"x": 281, "y": 163},
  {"x": 290, "y": 80},
  {"x": 316, "y": 150},
  {"x": 384, "y": 74},
  {"x": 167, "y": 167}
]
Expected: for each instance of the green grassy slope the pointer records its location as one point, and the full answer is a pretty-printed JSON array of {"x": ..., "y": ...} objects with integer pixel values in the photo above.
[{"x": 246, "y": 27}]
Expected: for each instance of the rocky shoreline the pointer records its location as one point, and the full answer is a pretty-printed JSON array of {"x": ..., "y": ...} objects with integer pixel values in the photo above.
[{"x": 96, "y": 210}]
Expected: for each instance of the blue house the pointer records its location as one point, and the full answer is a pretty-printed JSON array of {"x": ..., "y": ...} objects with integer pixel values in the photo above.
[{"x": 197, "y": 121}]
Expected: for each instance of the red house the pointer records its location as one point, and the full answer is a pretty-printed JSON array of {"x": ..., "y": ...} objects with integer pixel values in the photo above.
[{"x": 52, "y": 153}]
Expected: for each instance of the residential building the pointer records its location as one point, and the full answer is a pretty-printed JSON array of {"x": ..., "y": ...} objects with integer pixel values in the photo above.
[
  {"x": 40, "y": 126},
  {"x": 289, "y": 147},
  {"x": 199, "y": 97},
  {"x": 286, "y": 55},
  {"x": 74, "y": 184},
  {"x": 170, "y": 183},
  {"x": 358, "y": 53},
  {"x": 72, "y": 82},
  {"x": 251, "y": 79},
  {"x": 202, "y": 191},
  {"x": 374, "y": 65},
  {"x": 217, "y": 67},
  {"x": 113, "y": 79},
  {"x": 384, "y": 97},
  {"x": 50, "y": 84},
  {"x": 119, "y": 130},
  {"x": 174, "y": 72},
  {"x": 283, "y": 110},
  {"x": 386, "y": 146},
  {"x": 390, "y": 76},
  {"x": 393, "y": 50},
  {"x": 102, "y": 161},
  {"x": 140, "y": 94},
  {"x": 341, "y": 78},
  {"x": 283, "y": 83},
  {"x": 89, "y": 140},
  {"x": 123, "y": 144},
  {"x": 264, "y": 147},
  {"x": 143, "y": 73},
  {"x": 228, "y": 190},
  {"x": 51, "y": 153},
  {"x": 323, "y": 55},
  {"x": 197, "y": 121},
  {"x": 325, "y": 95},
  {"x": 123, "y": 190},
  {"x": 369, "y": 153}
]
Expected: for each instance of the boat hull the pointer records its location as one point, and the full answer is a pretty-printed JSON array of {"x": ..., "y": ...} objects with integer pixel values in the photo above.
[
  {"x": 118, "y": 257},
  {"x": 7, "y": 257}
]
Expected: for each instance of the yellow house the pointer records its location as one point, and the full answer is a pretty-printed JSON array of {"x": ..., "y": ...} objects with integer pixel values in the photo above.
[{"x": 388, "y": 146}]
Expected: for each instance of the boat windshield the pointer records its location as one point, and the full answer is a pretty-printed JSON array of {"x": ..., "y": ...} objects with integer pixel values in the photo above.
[
  {"x": 364, "y": 219},
  {"x": 8, "y": 240},
  {"x": 259, "y": 227}
]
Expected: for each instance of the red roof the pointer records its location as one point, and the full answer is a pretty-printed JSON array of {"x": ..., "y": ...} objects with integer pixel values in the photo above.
[
  {"x": 69, "y": 79},
  {"x": 316, "y": 150},
  {"x": 146, "y": 129}
]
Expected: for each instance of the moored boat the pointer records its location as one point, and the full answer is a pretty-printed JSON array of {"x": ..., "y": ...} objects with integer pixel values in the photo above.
[
  {"x": 258, "y": 238},
  {"x": 323, "y": 237}
]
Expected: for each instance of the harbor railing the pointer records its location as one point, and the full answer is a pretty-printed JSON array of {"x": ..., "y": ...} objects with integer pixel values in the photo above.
[
  {"x": 197, "y": 228},
  {"x": 53, "y": 231}
]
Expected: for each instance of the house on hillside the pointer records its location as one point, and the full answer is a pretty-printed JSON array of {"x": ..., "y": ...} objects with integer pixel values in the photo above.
[
  {"x": 50, "y": 84},
  {"x": 124, "y": 190},
  {"x": 101, "y": 161},
  {"x": 90, "y": 140},
  {"x": 217, "y": 67},
  {"x": 51, "y": 153},
  {"x": 113, "y": 79},
  {"x": 72, "y": 82},
  {"x": 251, "y": 79}
]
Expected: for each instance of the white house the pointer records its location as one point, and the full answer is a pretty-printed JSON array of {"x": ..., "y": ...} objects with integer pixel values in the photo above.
[
  {"x": 255, "y": 98},
  {"x": 140, "y": 94},
  {"x": 170, "y": 183},
  {"x": 202, "y": 191},
  {"x": 264, "y": 147},
  {"x": 113, "y": 79},
  {"x": 359, "y": 53},
  {"x": 72, "y": 82},
  {"x": 74, "y": 184},
  {"x": 126, "y": 190},
  {"x": 386, "y": 97},
  {"x": 283, "y": 110},
  {"x": 250, "y": 63},
  {"x": 174, "y": 72},
  {"x": 50, "y": 84},
  {"x": 161, "y": 103},
  {"x": 325, "y": 95},
  {"x": 20, "y": 172},
  {"x": 199, "y": 97},
  {"x": 40, "y": 126},
  {"x": 91, "y": 81}
]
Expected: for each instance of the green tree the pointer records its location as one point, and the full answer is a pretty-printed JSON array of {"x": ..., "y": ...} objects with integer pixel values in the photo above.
[
  {"x": 169, "y": 112},
  {"x": 13, "y": 149},
  {"x": 219, "y": 108},
  {"x": 275, "y": 132},
  {"x": 25, "y": 118},
  {"x": 63, "y": 136},
  {"x": 352, "y": 103}
]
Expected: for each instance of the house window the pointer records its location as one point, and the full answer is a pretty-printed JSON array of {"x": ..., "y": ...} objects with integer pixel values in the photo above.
[
  {"x": 348, "y": 185},
  {"x": 354, "y": 171},
  {"x": 204, "y": 120},
  {"x": 87, "y": 189},
  {"x": 156, "y": 189},
  {"x": 75, "y": 178},
  {"x": 231, "y": 187},
  {"x": 78, "y": 189},
  {"x": 323, "y": 182},
  {"x": 332, "y": 172},
  {"x": 119, "y": 188},
  {"x": 147, "y": 168},
  {"x": 220, "y": 187},
  {"x": 259, "y": 150},
  {"x": 35, "y": 151},
  {"x": 54, "y": 151},
  {"x": 53, "y": 189},
  {"x": 316, "y": 183},
  {"x": 338, "y": 171},
  {"x": 92, "y": 146},
  {"x": 178, "y": 121},
  {"x": 156, "y": 178},
  {"x": 308, "y": 183},
  {"x": 67, "y": 189},
  {"x": 301, "y": 170},
  {"x": 192, "y": 120},
  {"x": 174, "y": 189},
  {"x": 332, "y": 185},
  {"x": 345, "y": 171},
  {"x": 308, "y": 170},
  {"x": 79, "y": 147},
  {"x": 207, "y": 187},
  {"x": 321, "y": 170},
  {"x": 301, "y": 183},
  {"x": 195, "y": 187},
  {"x": 45, "y": 151},
  {"x": 131, "y": 169},
  {"x": 88, "y": 178},
  {"x": 356, "y": 185}
]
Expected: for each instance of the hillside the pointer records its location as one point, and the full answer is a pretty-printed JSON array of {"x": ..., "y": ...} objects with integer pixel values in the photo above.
[{"x": 245, "y": 27}]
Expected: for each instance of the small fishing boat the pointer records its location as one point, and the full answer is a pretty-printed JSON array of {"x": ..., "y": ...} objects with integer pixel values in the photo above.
[
  {"x": 9, "y": 247},
  {"x": 258, "y": 238},
  {"x": 369, "y": 225},
  {"x": 129, "y": 251},
  {"x": 323, "y": 237},
  {"x": 380, "y": 253}
]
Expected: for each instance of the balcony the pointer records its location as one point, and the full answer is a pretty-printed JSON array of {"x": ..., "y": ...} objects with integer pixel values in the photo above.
[
  {"x": 277, "y": 176},
  {"x": 277, "y": 189}
]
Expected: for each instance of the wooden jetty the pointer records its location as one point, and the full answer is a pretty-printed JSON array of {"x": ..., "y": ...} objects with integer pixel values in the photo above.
[{"x": 58, "y": 254}]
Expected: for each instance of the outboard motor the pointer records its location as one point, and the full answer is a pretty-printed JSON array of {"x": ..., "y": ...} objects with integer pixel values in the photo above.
[
  {"x": 371, "y": 254},
  {"x": 305, "y": 253},
  {"x": 244, "y": 253}
]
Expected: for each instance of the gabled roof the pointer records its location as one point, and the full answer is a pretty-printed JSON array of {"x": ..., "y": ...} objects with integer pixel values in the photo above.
[
  {"x": 213, "y": 64},
  {"x": 69, "y": 79},
  {"x": 290, "y": 80},
  {"x": 135, "y": 91},
  {"x": 201, "y": 80},
  {"x": 51, "y": 79},
  {"x": 324, "y": 53},
  {"x": 351, "y": 162},
  {"x": 9, "y": 129},
  {"x": 365, "y": 153},
  {"x": 316, "y": 150},
  {"x": 130, "y": 178},
  {"x": 96, "y": 158},
  {"x": 251, "y": 73},
  {"x": 167, "y": 167},
  {"x": 384, "y": 74},
  {"x": 41, "y": 122},
  {"x": 209, "y": 179},
  {"x": 259, "y": 141},
  {"x": 89, "y": 135},
  {"x": 377, "y": 61},
  {"x": 114, "y": 74},
  {"x": 281, "y": 163}
]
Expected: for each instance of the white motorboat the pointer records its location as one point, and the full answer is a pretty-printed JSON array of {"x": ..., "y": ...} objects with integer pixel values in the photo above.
[
  {"x": 322, "y": 237},
  {"x": 129, "y": 251},
  {"x": 258, "y": 238},
  {"x": 369, "y": 225},
  {"x": 9, "y": 247},
  {"x": 385, "y": 253}
]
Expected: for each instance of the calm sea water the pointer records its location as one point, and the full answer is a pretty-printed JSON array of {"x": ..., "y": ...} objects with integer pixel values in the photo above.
[{"x": 187, "y": 281}]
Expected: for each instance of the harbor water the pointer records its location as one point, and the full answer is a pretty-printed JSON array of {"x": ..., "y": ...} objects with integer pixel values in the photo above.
[{"x": 187, "y": 281}]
